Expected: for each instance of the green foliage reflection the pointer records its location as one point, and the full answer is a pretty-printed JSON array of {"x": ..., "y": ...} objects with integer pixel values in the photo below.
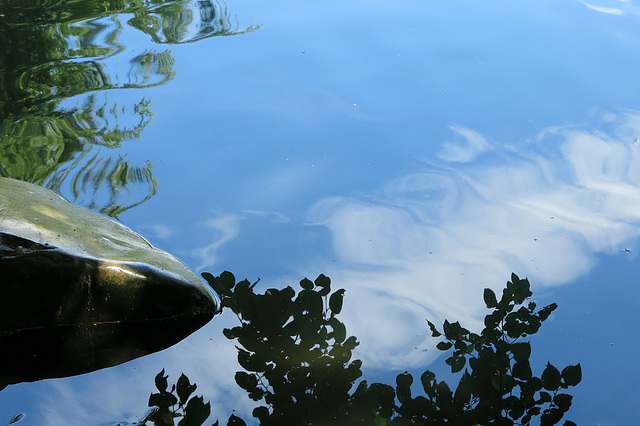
[
  {"x": 60, "y": 87},
  {"x": 296, "y": 360}
]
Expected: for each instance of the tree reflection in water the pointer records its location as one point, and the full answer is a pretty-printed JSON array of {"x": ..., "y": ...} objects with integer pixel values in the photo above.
[
  {"x": 58, "y": 85},
  {"x": 296, "y": 360}
]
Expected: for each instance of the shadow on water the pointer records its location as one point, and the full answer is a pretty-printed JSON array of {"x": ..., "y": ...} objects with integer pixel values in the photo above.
[
  {"x": 77, "y": 349},
  {"x": 59, "y": 79},
  {"x": 296, "y": 362}
]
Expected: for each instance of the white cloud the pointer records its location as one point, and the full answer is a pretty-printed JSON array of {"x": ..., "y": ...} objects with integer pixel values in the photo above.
[
  {"x": 471, "y": 145},
  {"x": 434, "y": 239},
  {"x": 615, "y": 7},
  {"x": 603, "y": 9},
  {"x": 223, "y": 228},
  {"x": 157, "y": 231}
]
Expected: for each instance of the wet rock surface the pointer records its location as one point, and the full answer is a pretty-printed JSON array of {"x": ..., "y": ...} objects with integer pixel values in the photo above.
[{"x": 79, "y": 291}]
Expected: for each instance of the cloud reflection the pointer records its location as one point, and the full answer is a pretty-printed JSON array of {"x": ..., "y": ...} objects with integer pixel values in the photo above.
[
  {"x": 624, "y": 7},
  {"x": 428, "y": 242},
  {"x": 474, "y": 144},
  {"x": 603, "y": 9},
  {"x": 225, "y": 228}
]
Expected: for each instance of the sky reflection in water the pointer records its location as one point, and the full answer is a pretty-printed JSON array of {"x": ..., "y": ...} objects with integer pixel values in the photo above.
[
  {"x": 425, "y": 244},
  {"x": 415, "y": 154},
  {"x": 546, "y": 211}
]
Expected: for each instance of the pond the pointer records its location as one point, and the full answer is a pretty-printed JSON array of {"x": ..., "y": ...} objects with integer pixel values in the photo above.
[{"x": 414, "y": 152}]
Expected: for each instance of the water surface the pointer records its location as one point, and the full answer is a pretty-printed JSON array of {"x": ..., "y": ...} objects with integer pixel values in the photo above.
[{"x": 415, "y": 152}]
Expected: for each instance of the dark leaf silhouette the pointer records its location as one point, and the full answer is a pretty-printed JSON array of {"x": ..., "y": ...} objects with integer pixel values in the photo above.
[
  {"x": 298, "y": 363},
  {"x": 191, "y": 411},
  {"x": 298, "y": 367}
]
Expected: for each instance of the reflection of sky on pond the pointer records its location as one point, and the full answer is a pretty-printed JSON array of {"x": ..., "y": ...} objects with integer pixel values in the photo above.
[
  {"x": 414, "y": 152},
  {"x": 443, "y": 231}
]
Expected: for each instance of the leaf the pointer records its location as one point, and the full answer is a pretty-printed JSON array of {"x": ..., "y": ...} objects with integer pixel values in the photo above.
[
  {"x": 306, "y": 284},
  {"x": 217, "y": 284},
  {"x": 521, "y": 291},
  {"x": 261, "y": 413},
  {"x": 513, "y": 327},
  {"x": 544, "y": 397},
  {"x": 184, "y": 388},
  {"x": 490, "y": 298},
  {"x": 250, "y": 361},
  {"x": 208, "y": 277},
  {"x": 534, "y": 384},
  {"x": 551, "y": 417},
  {"x": 232, "y": 333},
  {"x": 403, "y": 387},
  {"x": 434, "y": 330},
  {"x": 544, "y": 313},
  {"x": 243, "y": 288},
  {"x": 461, "y": 346},
  {"x": 535, "y": 411},
  {"x": 491, "y": 321},
  {"x": 457, "y": 363},
  {"x": 443, "y": 346},
  {"x": 161, "y": 381},
  {"x": 521, "y": 351},
  {"x": 196, "y": 412},
  {"x": 335, "y": 302},
  {"x": 451, "y": 330},
  {"x": 512, "y": 403},
  {"x": 163, "y": 400},
  {"x": 551, "y": 378},
  {"x": 311, "y": 302},
  {"x": 339, "y": 332},
  {"x": 428, "y": 380},
  {"x": 522, "y": 371},
  {"x": 324, "y": 282},
  {"x": 287, "y": 293},
  {"x": 383, "y": 397},
  {"x": 257, "y": 394},
  {"x": 444, "y": 391},
  {"x": 563, "y": 401},
  {"x": 462, "y": 395},
  {"x": 351, "y": 343},
  {"x": 246, "y": 381},
  {"x": 227, "y": 279},
  {"x": 572, "y": 375}
]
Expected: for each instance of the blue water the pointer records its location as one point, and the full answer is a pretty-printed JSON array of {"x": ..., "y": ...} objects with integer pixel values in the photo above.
[{"x": 415, "y": 152}]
